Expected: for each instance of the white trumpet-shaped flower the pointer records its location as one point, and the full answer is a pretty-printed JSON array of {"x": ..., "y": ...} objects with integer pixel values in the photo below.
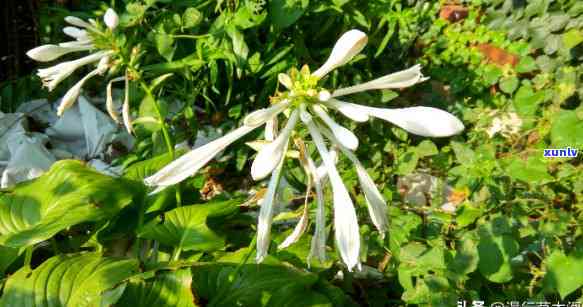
[
  {"x": 84, "y": 34},
  {"x": 73, "y": 93},
  {"x": 304, "y": 94}
]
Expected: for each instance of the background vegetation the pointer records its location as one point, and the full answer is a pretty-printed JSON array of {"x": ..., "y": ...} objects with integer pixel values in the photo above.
[{"x": 77, "y": 237}]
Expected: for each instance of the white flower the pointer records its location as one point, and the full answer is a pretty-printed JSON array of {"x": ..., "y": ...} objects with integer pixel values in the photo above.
[
  {"x": 52, "y": 76},
  {"x": 83, "y": 32},
  {"x": 347, "y": 46},
  {"x": 46, "y": 53},
  {"x": 303, "y": 95},
  {"x": 506, "y": 124},
  {"x": 111, "y": 19}
]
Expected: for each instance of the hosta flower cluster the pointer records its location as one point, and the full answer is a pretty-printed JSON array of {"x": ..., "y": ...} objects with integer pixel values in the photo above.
[
  {"x": 305, "y": 101},
  {"x": 99, "y": 41}
]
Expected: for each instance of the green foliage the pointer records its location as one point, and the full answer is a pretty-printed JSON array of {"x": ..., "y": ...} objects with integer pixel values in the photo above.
[
  {"x": 68, "y": 194},
  {"x": 230, "y": 282},
  {"x": 186, "y": 227},
  {"x": 201, "y": 66},
  {"x": 170, "y": 288},
  {"x": 69, "y": 280}
]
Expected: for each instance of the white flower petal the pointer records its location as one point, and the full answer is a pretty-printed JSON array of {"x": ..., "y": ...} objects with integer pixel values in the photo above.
[
  {"x": 73, "y": 93},
  {"x": 376, "y": 204},
  {"x": 76, "y": 21},
  {"x": 424, "y": 121},
  {"x": 345, "y": 223},
  {"x": 298, "y": 230},
  {"x": 271, "y": 129},
  {"x": 321, "y": 170},
  {"x": 111, "y": 19},
  {"x": 270, "y": 155},
  {"x": 401, "y": 79},
  {"x": 84, "y": 43},
  {"x": 285, "y": 80},
  {"x": 318, "y": 244},
  {"x": 46, "y": 53},
  {"x": 191, "y": 162},
  {"x": 345, "y": 136},
  {"x": 125, "y": 112},
  {"x": 347, "y": 46},
  {"x": 350, "y": 110},
  {"x": 109, "y": 105},
  {"x": 53, "y": 75},
  {"x": 262, "y": 115},
  {"x": 266, "y": 214},
  {"x": 75, "y": 33},
  {"x": 377, "y": 207}
]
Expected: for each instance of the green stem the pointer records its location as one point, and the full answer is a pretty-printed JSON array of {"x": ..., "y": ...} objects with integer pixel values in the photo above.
[
  {"x": 190, "y": 36},
  {"x": 176, "y": 253},
  {"x": 165, "y": 133},
  {"x": 28, "y": 256}
]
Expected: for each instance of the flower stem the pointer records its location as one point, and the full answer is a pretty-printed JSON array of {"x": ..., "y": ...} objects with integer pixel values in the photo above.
[
  {"x": 176, "y": 253},
  {"x": 28, "y": 256},
  {"x": 165, "y": 133}
]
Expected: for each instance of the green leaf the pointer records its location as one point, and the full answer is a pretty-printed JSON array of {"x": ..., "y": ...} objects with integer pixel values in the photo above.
[
  {"x": 552, "y": 43},
  {"x": 567, "y": 130},
  {"x": 407, "y": 162},
  {"x": 557, "y": 22},
  {"x": 233, "y": 283},
  {"x": 526, "y": 64},
  {"x": 7, "y": 256},
  {"x": 532, "y": 170},
  {"x": 496, "y": 249},
  {"x": 164, "y": 43},
  {"x": 68, "y": 194},
  {"x": 492, "y": 74},
  {"x": 191, "y": 18},
  {"x": 572, "y": 38},
  {"x": 564, "y": 273},
  {"x": 140, "y": 170},
  {"x": 284, "y": 13},
  {"x": 165, "y": 289},
  {"x": 463, "y": 153},
  {"x": 466, "y": 214},
  {"x": 68, "y": 280},
  {"x": 466, "y": 257},
  {"x": 186, "y": 227},
  {"x": 526, "y": 101},
  {"x": 426, "y": 148},
  {"x": 508, "y": 85},
  {"x": 240, "y": 48}
]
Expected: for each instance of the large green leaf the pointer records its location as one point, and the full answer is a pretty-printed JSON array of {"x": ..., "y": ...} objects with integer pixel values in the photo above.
[
  {"x": 268, "y": 284},
  {"x": 186, "y": 227},
  {"x": 496, "y": 248},
  {"x": 567, "y": 130},
  {"x": 68, "y": 194},
  {"x": 564, "y": 273},
  {"x": 142, "y": 169},
  {"x": 68, "y": 280},
  {"x": 532, "y": 170},
  {"x": 165, "y": 289},
  {"x": 7, "y": 256},
  {"x": 286, "y": 12}
]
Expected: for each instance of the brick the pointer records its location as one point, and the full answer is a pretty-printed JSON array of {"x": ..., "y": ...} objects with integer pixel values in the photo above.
[
  {"x": 453, "y": 13},
  {"x": 497, "y": 55}
]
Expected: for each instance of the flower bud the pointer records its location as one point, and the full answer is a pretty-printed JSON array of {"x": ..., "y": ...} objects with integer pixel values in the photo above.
[
  {"x": 347, "y": 46},
  {"x": 111, "y": 19}
]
